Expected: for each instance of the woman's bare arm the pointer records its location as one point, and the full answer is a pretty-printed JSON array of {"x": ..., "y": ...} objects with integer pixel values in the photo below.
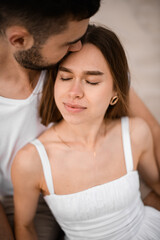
[{"x": 25, "y": 177}]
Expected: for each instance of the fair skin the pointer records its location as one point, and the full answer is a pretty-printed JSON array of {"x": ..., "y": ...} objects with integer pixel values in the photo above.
[{"x": 82, "y": 143}]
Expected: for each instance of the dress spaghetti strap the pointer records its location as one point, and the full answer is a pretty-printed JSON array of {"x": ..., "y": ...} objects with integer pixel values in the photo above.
[
  {"x": 127, "y": 144},
  {"x": 45, "y": 164}
]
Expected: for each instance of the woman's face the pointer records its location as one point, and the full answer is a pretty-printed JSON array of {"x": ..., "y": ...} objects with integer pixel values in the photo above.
[{"x": 84, "y": 86}]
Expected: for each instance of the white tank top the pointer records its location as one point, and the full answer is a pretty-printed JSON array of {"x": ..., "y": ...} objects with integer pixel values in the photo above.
[{"x": 19, "y": 124}]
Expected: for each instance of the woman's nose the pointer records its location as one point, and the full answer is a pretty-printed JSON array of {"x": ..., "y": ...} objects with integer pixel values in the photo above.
[{"x": 76, "y": 90}]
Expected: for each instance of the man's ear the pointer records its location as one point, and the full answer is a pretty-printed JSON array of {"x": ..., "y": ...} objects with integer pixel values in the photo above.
[{"x": 19, "y": 37}]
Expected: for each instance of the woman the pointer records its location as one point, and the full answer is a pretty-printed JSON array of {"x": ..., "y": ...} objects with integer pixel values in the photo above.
[{"x": 86, "y": 164}]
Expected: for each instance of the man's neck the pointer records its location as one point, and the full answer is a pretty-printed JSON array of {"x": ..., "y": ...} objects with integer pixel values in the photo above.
[{"x": 15, "y": 81}]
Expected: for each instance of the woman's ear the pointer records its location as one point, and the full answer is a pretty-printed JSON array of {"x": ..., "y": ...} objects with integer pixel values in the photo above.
[{"x": 19, "y": 37}]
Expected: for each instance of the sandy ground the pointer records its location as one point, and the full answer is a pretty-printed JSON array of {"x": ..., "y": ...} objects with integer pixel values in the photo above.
[{"x": 137, "y": 23}]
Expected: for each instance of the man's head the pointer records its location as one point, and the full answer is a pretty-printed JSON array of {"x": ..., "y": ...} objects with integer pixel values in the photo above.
[{"x": 42, "y": 32}]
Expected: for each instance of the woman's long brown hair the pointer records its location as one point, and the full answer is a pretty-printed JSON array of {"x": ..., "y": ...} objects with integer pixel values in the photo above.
[{"x": 109, "y": 45}]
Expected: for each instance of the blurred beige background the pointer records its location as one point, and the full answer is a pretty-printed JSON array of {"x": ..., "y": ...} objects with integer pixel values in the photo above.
[{"x": 137, "y": 23}]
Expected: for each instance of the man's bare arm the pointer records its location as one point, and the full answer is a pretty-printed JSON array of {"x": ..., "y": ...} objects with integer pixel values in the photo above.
[
  {"x": 139, "y": 109},
  {"x": 25, "y": 176}
]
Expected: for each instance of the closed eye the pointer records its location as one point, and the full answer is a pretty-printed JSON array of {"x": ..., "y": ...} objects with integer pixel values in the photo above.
[
  {"x": 65, "y": 79},
  {"x": 92, "y": 83}
]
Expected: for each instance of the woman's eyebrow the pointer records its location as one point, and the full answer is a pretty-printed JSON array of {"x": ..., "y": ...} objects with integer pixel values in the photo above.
[
  {"x": 88, "y": 72},
  {"x": 97, "y": 73}
]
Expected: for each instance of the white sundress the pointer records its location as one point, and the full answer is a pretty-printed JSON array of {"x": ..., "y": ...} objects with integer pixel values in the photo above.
[{"x": 111, "y": 211}]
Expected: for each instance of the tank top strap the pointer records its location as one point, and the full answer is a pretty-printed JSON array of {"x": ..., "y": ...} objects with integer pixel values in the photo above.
[
  {"x": 127, "y": 144},
  {"x": 45, "y": 164}
]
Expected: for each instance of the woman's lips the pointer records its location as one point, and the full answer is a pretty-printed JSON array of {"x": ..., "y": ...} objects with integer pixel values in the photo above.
[{"x": 74, "y": 108}]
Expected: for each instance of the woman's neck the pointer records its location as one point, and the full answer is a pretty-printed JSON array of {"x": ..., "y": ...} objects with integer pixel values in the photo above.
[{"x": 84, "y": 136}]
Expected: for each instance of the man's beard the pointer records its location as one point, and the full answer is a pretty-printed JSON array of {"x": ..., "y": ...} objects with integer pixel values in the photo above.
[{"x": 32, "y": 59}]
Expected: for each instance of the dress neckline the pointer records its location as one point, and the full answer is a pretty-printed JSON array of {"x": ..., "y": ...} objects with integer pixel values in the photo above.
[{"x": 134, "y": 172}]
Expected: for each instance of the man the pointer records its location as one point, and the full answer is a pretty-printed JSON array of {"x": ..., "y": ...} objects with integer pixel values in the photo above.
[
  {"x": 137, "y": 108},
  {"x": 34, "y": 35}
]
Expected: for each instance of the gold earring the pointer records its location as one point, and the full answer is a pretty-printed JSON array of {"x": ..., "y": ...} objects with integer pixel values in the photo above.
[{"x": 114, "y": 100}]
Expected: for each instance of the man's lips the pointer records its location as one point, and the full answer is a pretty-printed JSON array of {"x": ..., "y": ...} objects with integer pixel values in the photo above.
[{"x": 74, "y": 107}]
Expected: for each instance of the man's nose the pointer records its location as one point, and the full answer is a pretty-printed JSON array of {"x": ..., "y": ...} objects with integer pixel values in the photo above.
[{"x": 75, "y": 47}]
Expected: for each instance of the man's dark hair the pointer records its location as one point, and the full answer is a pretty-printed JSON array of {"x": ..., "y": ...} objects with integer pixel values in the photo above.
[{"x": 43, "y": 18}]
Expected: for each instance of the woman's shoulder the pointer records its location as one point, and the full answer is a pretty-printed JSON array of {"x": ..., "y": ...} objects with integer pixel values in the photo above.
[
  {"x": 26, "y": 158},
  {"x": 140, "y": 133},
  {"x": 26, "y": 167},
  {"x": 139, "y": 130}
]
